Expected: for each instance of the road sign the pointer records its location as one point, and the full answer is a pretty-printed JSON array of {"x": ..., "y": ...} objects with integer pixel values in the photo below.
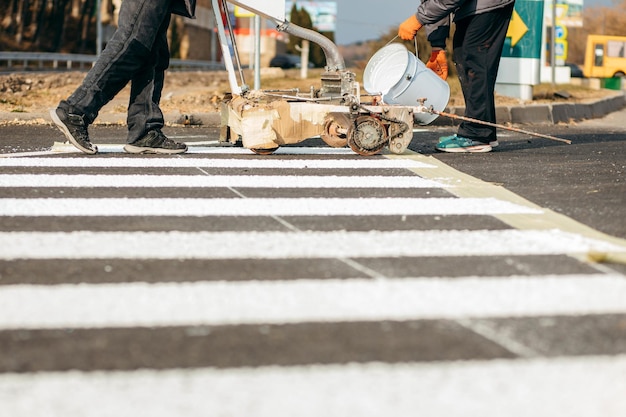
[
  {"x": 560, "y": 32},
  {"x": 524, "y": 33},
  {"x": 521, "y": 54},
  {"x": 560, "y": 49},
  {"x": 517, "y": 28}
]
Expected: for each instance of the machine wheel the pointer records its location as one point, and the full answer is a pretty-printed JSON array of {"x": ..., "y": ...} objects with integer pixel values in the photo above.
[
  {"x": 332, "y": 136},
  {"x": 367, "y": 136},
  {"x": 262, "y": 151}
]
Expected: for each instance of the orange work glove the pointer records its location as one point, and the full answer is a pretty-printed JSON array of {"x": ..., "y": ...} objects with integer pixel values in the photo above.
[
  {"x": 408, "y": 29},
  {"x": 438, "y": 63}
]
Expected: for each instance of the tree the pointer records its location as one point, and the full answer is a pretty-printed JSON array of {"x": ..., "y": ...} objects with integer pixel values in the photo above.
[
  {"x": 303, "y": 19},
  {"x": 41, "y": 25},
  {"x": 87, "y": 11},
  {"x": 59, "y": 12}
]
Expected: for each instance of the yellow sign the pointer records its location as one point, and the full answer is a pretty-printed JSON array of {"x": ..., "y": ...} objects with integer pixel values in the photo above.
[
  {"x": 561, "y": 11},
  {"x": 241, "y": 12},
  {"x": 517, "y": 28}
]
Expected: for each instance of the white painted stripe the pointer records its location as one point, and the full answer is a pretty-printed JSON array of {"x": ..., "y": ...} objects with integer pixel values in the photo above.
[
  {"x": 249, "y": 302},
  {"x": 184, "y": 181},
  {"x": 16, "y": 155},
  {"x": 285, "y": 150},
  {"x": 257, "y": 207},
  {"x": 226, "y": 149},
  {"x": 591, "y": 386},
  {"x": 277, "y": 245},
  {"x": 362, "y": 163}
]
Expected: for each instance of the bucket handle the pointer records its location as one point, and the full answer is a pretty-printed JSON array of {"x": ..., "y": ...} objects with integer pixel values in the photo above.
[{"x": 414, "y": 39}]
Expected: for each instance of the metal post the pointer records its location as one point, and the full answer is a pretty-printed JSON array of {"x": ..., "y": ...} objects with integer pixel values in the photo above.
[
  {"x": 553, "y": 44},
  {"x": 213, "y": 43},
  {"x": 226, "y": 55},
  {"x": 304, "y": 59},
  {"x": 98, "y": 27},
  {"x": 257, "y": 52}
]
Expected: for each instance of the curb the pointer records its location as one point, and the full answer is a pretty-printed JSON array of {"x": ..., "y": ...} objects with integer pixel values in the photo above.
[
  {"x": 545, "y": 114},
  {"x": 532, "y": 114}
]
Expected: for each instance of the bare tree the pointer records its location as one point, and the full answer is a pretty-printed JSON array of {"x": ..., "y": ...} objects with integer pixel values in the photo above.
[
  {"x": 39, "y": 21},
  {"x": 85, "y": 22},
  {"x": 59, "y": 11},
  {"x": 22, "y": 9}
]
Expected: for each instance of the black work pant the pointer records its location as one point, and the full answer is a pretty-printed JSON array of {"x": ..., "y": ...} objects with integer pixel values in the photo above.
[
  {"x": 477, "y": 44},
  {"x": 137, "y": 53}
]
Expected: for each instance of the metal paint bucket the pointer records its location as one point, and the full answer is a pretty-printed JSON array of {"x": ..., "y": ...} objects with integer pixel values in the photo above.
[{"x": 402, "y": 79}]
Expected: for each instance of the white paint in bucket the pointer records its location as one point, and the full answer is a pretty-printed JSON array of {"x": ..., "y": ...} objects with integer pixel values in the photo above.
[{"x": 402, "y": 79}]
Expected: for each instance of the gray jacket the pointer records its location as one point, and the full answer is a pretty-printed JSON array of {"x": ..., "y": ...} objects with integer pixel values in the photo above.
[{"x": 435, "y": 15}]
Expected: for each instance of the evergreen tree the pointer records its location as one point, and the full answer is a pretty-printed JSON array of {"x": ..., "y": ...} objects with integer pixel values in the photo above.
[{"x": 302, "y": 18}]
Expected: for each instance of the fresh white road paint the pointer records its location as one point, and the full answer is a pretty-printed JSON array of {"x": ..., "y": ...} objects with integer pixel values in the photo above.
[
  {"x": 186, "y": 181},
  {"x": 257, "y": 206},
  {"x": 64, "y": 148},
  {"x": 279, "y": 245},
  {"x": 228, "y": 303},
  {"x": 363, "y": 163},
  {"x": 591, "y": 386}
]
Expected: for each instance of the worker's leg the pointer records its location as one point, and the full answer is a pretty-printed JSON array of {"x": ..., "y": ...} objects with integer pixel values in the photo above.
[
  {"x": 478, "y": 43},
  {"x": 125, "y": 54},
  {"x": 144, "y": 113}
]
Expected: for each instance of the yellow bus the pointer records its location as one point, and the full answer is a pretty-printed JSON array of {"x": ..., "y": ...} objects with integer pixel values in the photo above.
[{"x": 605, "y": 56}]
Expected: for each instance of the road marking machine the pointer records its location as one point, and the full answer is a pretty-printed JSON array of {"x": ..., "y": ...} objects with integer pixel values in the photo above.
[{"x": 401, "y": 91}]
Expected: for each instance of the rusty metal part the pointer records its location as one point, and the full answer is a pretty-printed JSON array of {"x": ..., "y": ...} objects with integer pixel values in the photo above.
[
  {"x": 397, "y": 141},
  {"x": 335, "y": 130},
  {"x": 399, "y": 127},
  {"x": 367, "y": 136},
  {"x": 513, "y": 129}
]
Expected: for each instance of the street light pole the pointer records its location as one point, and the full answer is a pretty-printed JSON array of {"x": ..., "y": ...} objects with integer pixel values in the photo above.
[
  {"x": 257, "y": 52},
  {"x": 553, "y": 44}
]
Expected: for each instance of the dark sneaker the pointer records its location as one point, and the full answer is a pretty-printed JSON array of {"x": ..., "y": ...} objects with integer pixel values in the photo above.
[
  {"x": 456, "y": 143},
  {"x": 74, "y": 128},
  {"x": 155, "y": 142}
]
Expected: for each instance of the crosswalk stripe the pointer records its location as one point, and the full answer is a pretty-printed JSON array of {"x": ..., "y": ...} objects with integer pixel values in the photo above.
[
  {"x": 573, "y": 387},
  {"x": 256, "y": 206},
  {"x": 104, "y": 148},
  {"x": 492, "y": 310},
  {"x": 277, "y": 245},
  {"x": 379, "y": 163},
  {"x": 230, "y": 303},
  {"x": 180, "y": 181}
]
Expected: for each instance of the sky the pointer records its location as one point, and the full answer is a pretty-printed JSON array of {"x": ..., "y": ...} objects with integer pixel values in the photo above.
[{"x": 360, "y": 20}]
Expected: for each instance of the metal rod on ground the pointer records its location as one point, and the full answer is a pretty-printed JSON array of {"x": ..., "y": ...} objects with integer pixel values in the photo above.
[{"x": 469, "y": 119}]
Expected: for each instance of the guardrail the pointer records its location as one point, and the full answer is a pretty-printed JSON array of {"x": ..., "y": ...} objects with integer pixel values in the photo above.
[{"x": 51, "y": 61}]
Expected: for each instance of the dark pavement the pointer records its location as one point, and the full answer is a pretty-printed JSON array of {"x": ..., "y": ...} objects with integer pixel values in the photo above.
[{"x": 467, "y": 292}]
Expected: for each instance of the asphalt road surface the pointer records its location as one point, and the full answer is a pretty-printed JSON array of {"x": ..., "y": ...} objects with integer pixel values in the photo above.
[{"x": 313, "y": 282}]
